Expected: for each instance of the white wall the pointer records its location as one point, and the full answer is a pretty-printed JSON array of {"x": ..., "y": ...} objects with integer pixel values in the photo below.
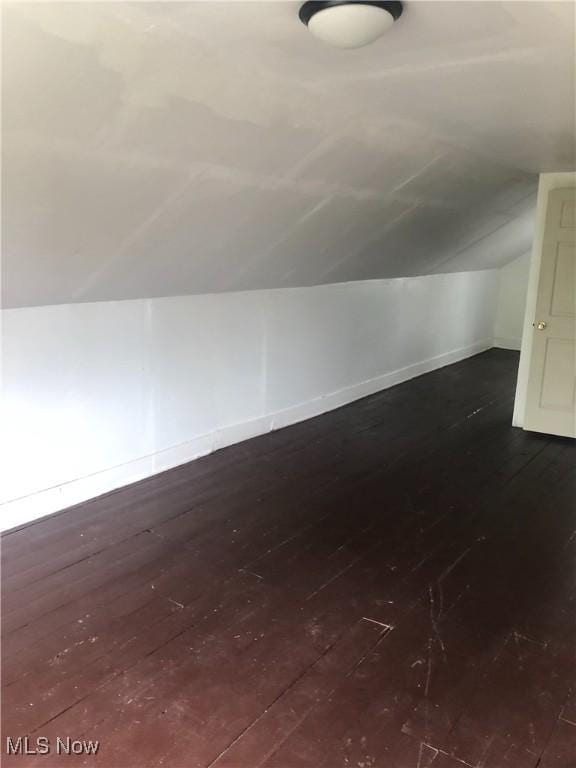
[
  {"x": 546, "y": 184},
  {"x": 511, "y": 303},
  {"x": 101, "y": 394}
]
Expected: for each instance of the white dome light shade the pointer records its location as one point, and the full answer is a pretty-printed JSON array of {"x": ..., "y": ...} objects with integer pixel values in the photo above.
[{"x": 349, "y": 24}]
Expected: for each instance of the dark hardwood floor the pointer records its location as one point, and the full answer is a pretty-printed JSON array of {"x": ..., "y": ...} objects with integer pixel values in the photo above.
[{"x": 390, "y": 585}]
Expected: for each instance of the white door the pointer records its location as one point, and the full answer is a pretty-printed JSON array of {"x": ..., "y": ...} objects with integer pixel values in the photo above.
[{"x": 551, "y": 395}]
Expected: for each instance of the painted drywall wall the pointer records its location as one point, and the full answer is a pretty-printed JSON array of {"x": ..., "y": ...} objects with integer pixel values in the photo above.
[
  {"x": 511, "y": 303},
  {"x": 97, "y": 395},
  {"x": 546, "y": 184}
]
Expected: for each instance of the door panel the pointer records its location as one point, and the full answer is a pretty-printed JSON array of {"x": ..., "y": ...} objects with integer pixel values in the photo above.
[
  {"x": 562, "y": 304},
  {"x": 551, "y": 397},
  {"x": 568, "y": 215},
  {"x": 558, "y": 382}
]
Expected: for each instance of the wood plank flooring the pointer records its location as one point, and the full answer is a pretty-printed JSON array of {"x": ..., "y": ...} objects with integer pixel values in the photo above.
[{"x": 389, "y": 585}]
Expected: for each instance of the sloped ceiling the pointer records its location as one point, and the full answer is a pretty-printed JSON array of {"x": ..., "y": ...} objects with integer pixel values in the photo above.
[{"x": 190, "y": 147}]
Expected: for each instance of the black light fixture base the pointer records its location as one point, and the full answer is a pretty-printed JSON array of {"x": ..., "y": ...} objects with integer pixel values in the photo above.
[{"x": 312, "y": 7}]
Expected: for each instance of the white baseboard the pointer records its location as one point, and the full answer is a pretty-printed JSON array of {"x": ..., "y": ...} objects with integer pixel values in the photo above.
[
  {"x": 18, "y": 512},
  {"x": 502, "y": 343}
]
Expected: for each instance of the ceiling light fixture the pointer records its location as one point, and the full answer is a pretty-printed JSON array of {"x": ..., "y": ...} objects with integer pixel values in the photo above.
[{"x": 349, "y": 23}]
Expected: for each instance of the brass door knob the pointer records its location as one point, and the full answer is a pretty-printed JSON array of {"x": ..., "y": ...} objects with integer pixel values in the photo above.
[{"x": 541, "y": 325}]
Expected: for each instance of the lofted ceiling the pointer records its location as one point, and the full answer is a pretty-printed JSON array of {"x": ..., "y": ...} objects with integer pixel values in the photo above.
[{"x": 164, "y": 148}]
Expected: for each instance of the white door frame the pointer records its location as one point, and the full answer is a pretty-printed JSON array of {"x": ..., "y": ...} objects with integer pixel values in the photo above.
[{"x": 547, "y": 183}]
